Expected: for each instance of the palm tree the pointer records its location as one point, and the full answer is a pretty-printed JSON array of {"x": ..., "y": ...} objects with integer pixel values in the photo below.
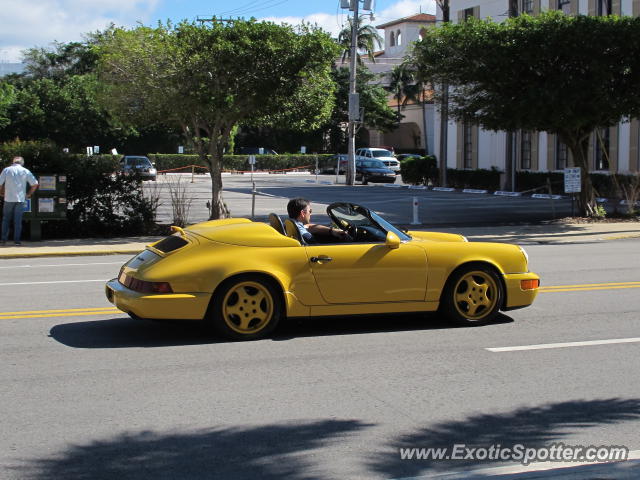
[
  {"x": 402, "y": 86},
  {"x": 367, "y": 42},
  {"x": 407, "y": 85}
]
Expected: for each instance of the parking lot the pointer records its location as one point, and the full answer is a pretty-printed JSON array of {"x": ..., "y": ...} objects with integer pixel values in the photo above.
[{"x": 394, "y": 202}]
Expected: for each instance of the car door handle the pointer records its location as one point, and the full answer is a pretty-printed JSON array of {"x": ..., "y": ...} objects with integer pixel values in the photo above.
[{"x": 321, "y": 258}]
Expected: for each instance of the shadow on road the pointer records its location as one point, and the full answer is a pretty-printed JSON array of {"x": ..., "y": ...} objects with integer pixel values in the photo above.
[
  {"x": 357, "y": 325},
  {"x": 262, "y": 452},
  {"x": 295, "y": 451},
  {"x": 531, "y": 427},
  {"x": 127, "y": 333}
]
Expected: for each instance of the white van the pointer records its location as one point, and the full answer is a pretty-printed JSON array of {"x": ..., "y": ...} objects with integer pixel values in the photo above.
[{"x": 379, "y": 154}]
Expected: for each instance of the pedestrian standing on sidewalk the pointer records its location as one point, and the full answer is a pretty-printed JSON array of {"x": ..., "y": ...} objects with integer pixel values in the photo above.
[{"x": 13, "y": 184}]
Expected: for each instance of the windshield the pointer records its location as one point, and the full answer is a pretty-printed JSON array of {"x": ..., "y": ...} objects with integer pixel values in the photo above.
[
  {"x": 381, "y": 153},
  {"x": 348, "y": 215},
  {"x": 373, "y": 164}
]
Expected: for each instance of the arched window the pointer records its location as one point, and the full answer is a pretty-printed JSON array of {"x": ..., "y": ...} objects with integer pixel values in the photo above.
[
  {"x": 398, "y": 38},
  {"x": 392, "y": 39}
]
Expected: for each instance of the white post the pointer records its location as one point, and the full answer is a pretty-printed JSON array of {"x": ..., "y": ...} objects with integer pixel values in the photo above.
[
  {"x": 253, "y": 199},
  {"x": 415, "y": 212}
]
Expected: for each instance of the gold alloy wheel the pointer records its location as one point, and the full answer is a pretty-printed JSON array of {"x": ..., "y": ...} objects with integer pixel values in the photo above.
[
  {"x": 247, "y": 307},
  {"x": 475, "y": 295}
]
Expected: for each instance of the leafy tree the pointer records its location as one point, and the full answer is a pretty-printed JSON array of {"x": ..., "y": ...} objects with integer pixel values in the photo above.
[
  {"x": 208, "y": 78},
  {"x": 62, "y": 60},
  {"x": 555, "y": 73},
  {"x": 7, "y": 99},
  {"x": 373, "y": 99},
  {"x": 368, "y": 39}
]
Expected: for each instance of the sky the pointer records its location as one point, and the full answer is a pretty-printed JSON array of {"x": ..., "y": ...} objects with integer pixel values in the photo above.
[{"x": 38, "y": 23}]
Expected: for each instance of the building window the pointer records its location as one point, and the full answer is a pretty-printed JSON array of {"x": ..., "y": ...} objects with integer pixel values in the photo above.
[
  {"x": 467, "y": 145},
  {"x": 564, "y": 6},
  {"x": 527, "y": 7},
  {"x": 525, "y": 150},
  {"x": 604, "y": 7},
  {"x": 398, "y": 38},
  {"x": 601, "y": 149},
  {"x": 392, "y": 39},
  {"x": 468, "y": 13},
  {"x": 562, "y": 155}
]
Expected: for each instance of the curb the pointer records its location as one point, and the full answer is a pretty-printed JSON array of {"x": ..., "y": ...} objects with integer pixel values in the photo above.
[{"x": 75, "y": 253}]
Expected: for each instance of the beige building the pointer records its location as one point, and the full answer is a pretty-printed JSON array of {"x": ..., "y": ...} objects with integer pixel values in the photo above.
[
  {"x": 472, "y": 147},
  {"x": 398, "y": 38}
]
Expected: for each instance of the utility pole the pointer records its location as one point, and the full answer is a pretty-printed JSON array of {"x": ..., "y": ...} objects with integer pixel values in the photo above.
[
  {"x": 444, "y": 109},
  {"x": 510, "y": 157},
  {"x": 354, "y": 98}
]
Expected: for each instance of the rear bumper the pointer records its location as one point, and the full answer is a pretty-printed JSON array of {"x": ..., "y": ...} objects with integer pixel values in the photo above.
[
  {"x": 516, "y": 297},
  {"x": 185, "y": 306}
]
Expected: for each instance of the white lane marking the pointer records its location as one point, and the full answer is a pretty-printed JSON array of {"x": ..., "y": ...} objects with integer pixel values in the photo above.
[
  {"x": 48, "y": 283},
  {"x": 602, "y": 467},
  {"x": 63, "y": 265},
  {"x": 544, "y": 346}
]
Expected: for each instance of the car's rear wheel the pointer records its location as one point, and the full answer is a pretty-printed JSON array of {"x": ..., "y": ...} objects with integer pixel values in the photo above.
[
  {"x": 473, "y": 295},
  {"x": 247, "y": 307}
]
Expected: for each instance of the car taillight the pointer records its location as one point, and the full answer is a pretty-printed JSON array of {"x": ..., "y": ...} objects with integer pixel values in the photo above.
[
  {"x": 143, "y": 286},
  {"x": 529, "y": 284}
]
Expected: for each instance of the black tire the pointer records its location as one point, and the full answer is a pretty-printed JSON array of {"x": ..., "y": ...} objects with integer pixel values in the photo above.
[
  {"x": 247, "y": 307},
  {"x": 365, "y": 180},
  {"x": 472, "y": 296}
]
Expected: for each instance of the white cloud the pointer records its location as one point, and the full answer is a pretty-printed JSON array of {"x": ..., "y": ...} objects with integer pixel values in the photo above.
[
  {"x": 40, "y": 22},
  {"x": 405, "y": 8},
  {"x": 336, "y": 22}
]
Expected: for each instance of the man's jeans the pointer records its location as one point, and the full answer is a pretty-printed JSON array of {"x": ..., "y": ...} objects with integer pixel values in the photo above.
[{"x": 12, "y": 210}]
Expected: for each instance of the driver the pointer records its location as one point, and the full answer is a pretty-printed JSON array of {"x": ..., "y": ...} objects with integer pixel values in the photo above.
[{"x": 299, "y": 210}]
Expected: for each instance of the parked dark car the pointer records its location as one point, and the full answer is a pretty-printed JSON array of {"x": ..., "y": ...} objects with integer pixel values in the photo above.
[
  {"x": 374, "y": 171},
  {"x": 256, "y": 151},
  {"x": 332, "y": 163},
  {"x": 134, "y": 163}
]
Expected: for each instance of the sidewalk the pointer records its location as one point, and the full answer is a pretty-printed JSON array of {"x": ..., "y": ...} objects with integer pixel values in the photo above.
[{"x": 520, "y": 234}]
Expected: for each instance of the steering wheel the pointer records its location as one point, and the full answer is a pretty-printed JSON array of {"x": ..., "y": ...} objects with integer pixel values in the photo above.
[{"x": 353, "y": 232}]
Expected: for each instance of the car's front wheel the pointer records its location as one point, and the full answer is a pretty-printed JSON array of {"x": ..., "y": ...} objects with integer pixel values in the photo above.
[
  {"x": 472, "y": 296},
  {"x": 247, "y": 307}
]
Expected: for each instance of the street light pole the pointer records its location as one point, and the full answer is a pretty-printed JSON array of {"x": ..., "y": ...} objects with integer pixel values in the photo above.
[{"x": 354, "y": 107}]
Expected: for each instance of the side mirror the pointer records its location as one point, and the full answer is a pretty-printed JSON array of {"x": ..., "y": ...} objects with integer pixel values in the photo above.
[{"x": 392, "y": 241}]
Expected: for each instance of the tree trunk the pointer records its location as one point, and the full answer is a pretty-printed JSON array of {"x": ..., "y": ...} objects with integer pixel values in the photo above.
[
  {"x": 218, "y": 207},
  {"x": 424, "y": 123},
  {"x": 579, "y": 149}
]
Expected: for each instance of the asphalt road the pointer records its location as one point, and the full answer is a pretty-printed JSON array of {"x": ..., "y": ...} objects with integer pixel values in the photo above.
[
  {"x": 396, "y": 204},
  {"x": 90, "y": 394}
]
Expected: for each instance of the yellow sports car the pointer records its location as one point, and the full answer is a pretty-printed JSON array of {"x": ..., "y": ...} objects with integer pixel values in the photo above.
[{"x": 244, "y": 276}]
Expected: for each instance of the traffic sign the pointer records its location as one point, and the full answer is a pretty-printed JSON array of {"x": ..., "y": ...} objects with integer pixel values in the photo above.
[{"x": 572, "y": 180}]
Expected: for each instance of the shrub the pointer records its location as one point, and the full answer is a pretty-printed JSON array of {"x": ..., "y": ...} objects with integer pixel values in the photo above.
[
  {"x": 479, "y": 178},
  {"x": 100, "y": 201},
  {"x": 419, "y": 170}
]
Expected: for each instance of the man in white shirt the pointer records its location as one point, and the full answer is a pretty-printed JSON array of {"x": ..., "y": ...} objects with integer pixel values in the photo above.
[
  {"x": 299, "y": 210},
  {"x": 13, "y": 183}
]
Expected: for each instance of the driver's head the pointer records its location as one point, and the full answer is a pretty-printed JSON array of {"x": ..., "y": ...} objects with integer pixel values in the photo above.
[{"x": 299, "y": 209}]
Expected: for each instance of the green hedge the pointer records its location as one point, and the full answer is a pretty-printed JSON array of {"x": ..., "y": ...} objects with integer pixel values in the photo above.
[
  {"x": 479, "y": 178},
  {"x": 419, "y": 170},
  {"x": 101, "y": 202},
  {"x": 241, "y": 162}
]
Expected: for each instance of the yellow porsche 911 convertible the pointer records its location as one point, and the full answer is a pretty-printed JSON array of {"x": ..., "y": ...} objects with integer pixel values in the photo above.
[{"x": 244, "y": 276}]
